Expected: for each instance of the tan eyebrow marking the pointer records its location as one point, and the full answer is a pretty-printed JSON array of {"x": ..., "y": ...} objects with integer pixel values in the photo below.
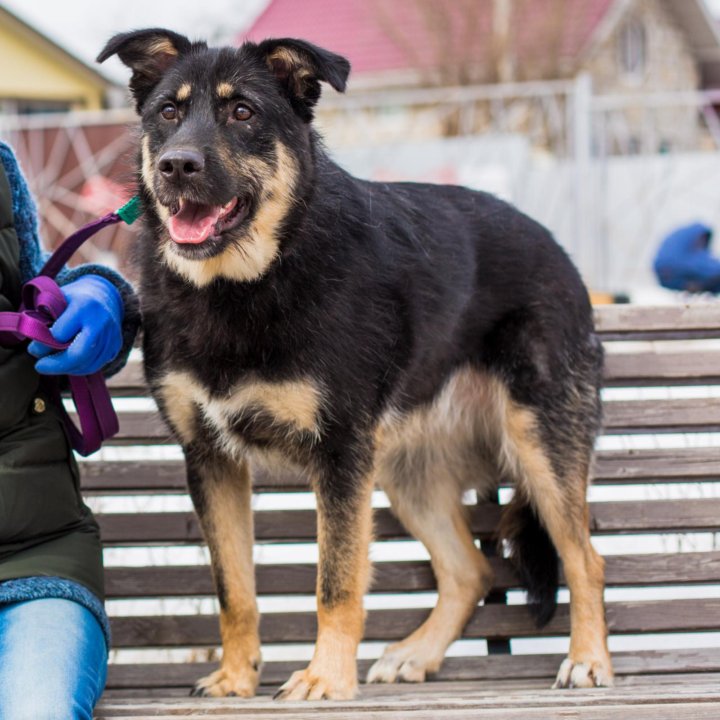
[
  {"x": 224, "y": 90},
  {"x": 183, "y": 92}
]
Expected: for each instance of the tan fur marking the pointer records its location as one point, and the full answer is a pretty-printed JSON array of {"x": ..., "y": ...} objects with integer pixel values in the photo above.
[
  {"x": 285, "y": 55},
  {"x": 295, "y": 403},
  {"x": 254, "y": 254},
  {"x": 224, "y": 90},
  {"x": 161, "y": 46},
  {"x": 470, "y": 435},
  {"x": 567, "y": 521},
  {"x": 463, "y": 575},
  {"x": 179, "y": 405},
  {"x": 296, "y": 66},
  {"x": 148, "y": 175},
  {"x": 424, "y": 462},
  {"x": 448, "y": 437},
  {"x": 228, "y": 525},
  {"x": 183, "y": 92}
]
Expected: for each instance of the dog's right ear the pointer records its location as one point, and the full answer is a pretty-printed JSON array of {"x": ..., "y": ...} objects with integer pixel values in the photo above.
[{"x": 149, "y": 54}]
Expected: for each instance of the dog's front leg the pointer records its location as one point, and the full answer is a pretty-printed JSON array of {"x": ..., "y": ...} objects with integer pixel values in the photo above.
[
  {"x": 344, "y": 518},
  {"x": 221, "y": 491}
]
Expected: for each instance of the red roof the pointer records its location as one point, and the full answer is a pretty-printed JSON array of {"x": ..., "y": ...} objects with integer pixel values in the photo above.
[{"x": 415, "y": 34}]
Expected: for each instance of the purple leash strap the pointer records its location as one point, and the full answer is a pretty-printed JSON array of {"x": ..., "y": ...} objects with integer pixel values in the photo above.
[{"x": 42, "y": 302}]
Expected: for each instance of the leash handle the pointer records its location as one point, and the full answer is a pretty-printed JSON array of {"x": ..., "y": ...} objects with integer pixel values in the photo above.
[{"x": 42, "y": 302}]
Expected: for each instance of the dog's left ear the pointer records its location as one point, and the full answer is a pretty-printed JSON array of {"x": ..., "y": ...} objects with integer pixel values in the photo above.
[
  {"x": 300, "y": 66},
  {"x": 149, "y": 54}
]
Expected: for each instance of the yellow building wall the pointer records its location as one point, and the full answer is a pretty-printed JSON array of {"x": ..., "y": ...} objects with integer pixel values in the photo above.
[{"x": 31, "y": 72}]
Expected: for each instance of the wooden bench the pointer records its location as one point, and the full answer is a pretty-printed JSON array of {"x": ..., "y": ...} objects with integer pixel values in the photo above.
[{"x": 654, "y": 591}]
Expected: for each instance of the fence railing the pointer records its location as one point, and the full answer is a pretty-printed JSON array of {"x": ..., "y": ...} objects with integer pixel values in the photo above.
[{"x": 81, "y": 164}]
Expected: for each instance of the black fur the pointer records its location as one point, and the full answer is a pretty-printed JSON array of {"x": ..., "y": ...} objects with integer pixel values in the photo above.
[
  {"x": 380, "y": 290},
  {"x": 534, "y": 557}
]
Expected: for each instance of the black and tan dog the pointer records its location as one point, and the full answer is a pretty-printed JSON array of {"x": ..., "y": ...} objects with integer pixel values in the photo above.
[{"x": 426, "y": 339}]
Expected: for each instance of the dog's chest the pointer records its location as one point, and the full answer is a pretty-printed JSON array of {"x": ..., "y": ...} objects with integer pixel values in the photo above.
[{"x": 253, "y": 413}]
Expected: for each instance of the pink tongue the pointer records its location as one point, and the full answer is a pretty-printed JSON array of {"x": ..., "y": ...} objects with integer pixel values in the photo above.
[{"x": 194, "y": 223}]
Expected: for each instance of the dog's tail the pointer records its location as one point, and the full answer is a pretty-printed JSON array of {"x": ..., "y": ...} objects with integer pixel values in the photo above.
[{"x": 533, "y": 555}]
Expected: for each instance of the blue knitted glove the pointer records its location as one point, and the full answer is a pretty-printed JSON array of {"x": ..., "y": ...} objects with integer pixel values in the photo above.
[{"x": 92, "y": 321}]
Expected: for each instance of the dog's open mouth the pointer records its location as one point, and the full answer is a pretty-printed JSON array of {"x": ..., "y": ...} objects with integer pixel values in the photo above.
[{"x": 193, "y": 223}]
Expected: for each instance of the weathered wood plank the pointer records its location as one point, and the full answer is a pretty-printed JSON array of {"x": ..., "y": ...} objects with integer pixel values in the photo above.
[
  {"x": 395, "y": 577},
  {"x": 625, "y": 322},
  {"x": 654, "y": 663},
  {"x": 702, "y": 710},
  {"x": 129, "y": 382},
  {"x": 488, "y": 621},
  {"x": 686, "y": 711},
  {"x": 621, "y": 417},
  {"x": 450, "y": 695},
  {"x": 682, "y": 686},
  {"x": 611, "y": 466},
  {"x": 679, "y": 686},
  {"x": 661, "y": 416},
  {"x": 299, "y": 525},
  {"x": 652, "y": 466},
  {"x": 169, "y": 476},
  {"x": 662, "y": 368}
]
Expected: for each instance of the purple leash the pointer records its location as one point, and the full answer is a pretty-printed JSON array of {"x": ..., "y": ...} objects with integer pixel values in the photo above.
[{"x": 42, "y": 302}]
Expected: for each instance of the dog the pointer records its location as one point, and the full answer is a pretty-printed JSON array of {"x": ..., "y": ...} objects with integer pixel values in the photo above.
[{"x": 421, "y": 338}]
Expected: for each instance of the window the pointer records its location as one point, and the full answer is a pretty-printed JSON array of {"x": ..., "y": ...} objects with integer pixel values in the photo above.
[
  {"x": 633, "y": 48},
  {"x": 12, "y": 106},
  {"x": 33, "y": 107}
]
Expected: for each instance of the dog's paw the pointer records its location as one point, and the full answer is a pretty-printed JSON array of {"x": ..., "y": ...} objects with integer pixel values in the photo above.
[
  {"x": 584, "y": 674},
  {"x": 402, "y": 664},
  {"x": 223, "y": 683},
  {"x": 308, "y": 685}
]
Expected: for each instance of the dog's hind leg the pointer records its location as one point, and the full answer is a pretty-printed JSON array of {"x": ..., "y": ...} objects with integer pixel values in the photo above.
[
  {"x": 549, "y": 461},
  {"x": 434, "y": 514},
  {"x": 221, "y": 492}
]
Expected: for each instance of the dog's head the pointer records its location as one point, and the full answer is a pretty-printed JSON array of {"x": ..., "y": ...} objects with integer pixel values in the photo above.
[{"x": 225, "y": 143}]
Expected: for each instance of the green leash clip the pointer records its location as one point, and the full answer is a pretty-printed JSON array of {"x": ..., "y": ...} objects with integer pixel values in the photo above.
[{"x": 131, "y": 210}]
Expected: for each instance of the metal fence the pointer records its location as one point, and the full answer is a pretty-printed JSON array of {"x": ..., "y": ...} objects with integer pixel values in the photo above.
[{"x": 607, "y": 174}]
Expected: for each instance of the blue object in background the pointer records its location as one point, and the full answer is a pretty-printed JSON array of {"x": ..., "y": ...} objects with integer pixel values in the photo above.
[{"x": 684, "y": 261}]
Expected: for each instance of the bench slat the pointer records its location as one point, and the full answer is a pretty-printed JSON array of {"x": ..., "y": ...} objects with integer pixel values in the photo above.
[
  {"x": 611, "y": 466},
  {"x": 497, "y": 667},
  {"x": 652, "y": 466},
  {"x": 299, "y": 525},
  {"x": 488, "y": 621},
  {"x": 660, "y": 368},
  {"x": 169, "y": 476},
  {"x": 661, "y": 416},
  {"x": 405, "y": 576},
  {"x": 627, "y": 322},
  {"x": 633, "y": 416}
]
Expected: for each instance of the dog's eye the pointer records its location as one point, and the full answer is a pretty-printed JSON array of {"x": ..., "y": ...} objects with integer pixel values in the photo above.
[
  {"x": 242, "y": 112},
  {"x": 169, "y": 111}
]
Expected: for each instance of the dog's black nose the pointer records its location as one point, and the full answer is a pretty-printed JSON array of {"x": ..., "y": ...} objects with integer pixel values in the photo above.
[{"x": 181, "y": 164}]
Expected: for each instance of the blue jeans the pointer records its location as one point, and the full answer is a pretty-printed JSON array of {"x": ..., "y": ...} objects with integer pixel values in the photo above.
[{"x": 53, "y": 661}]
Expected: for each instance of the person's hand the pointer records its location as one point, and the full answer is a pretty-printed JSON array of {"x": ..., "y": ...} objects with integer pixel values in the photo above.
[{"x": 92, "y": 320}]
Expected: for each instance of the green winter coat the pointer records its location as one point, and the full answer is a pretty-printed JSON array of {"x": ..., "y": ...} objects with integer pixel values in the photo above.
[{"x": 45, "y": 528}]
